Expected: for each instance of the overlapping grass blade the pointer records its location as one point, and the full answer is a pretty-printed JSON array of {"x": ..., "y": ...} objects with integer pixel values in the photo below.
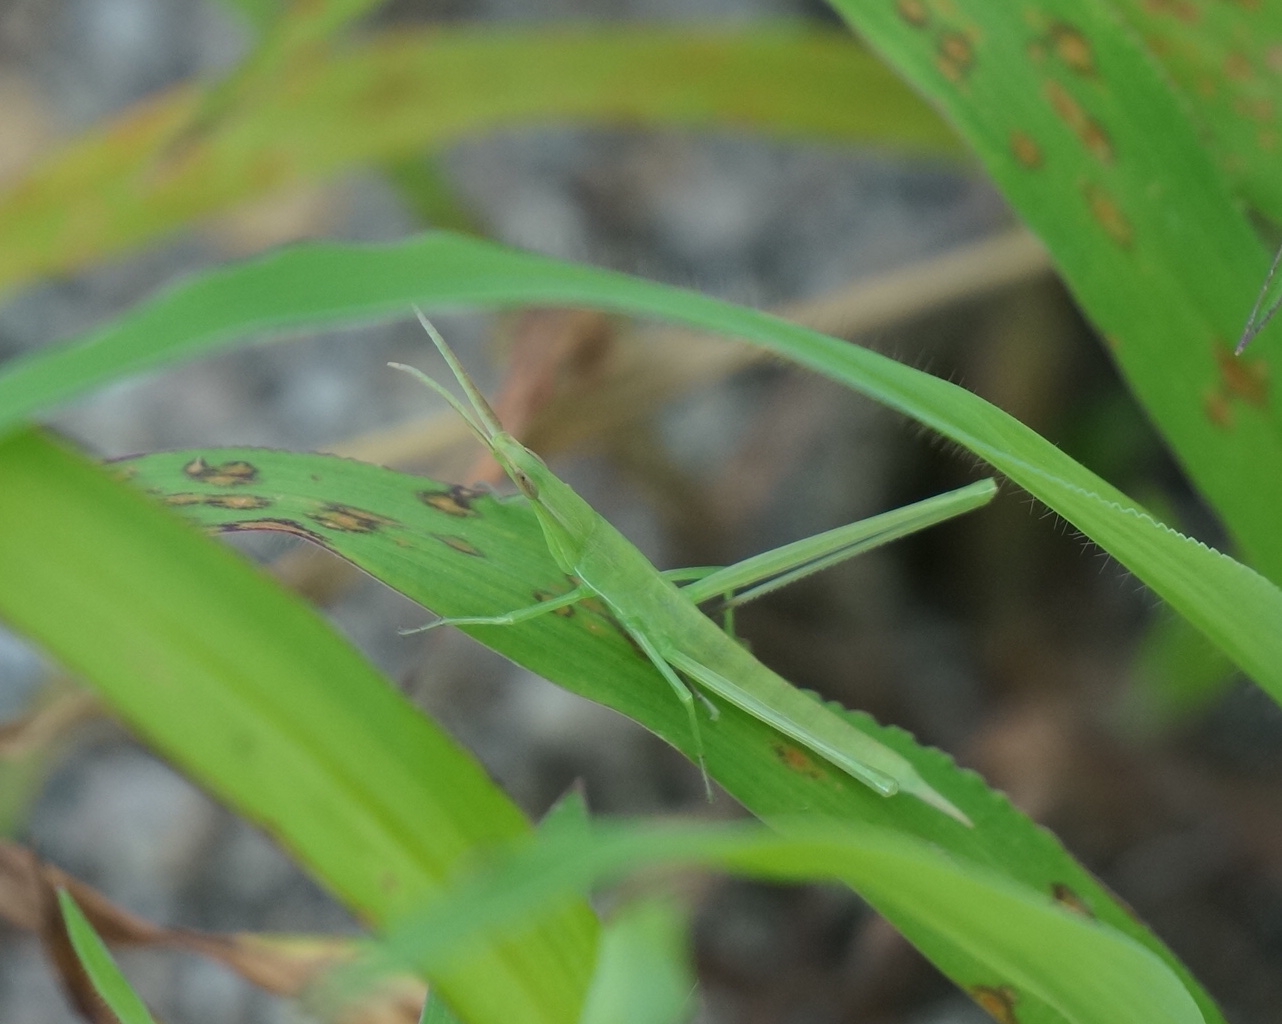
[
  {"x": 251, "y": 693},
  {"x": 1030, "y": 946},
  {"x": 1236, "y": 608}
]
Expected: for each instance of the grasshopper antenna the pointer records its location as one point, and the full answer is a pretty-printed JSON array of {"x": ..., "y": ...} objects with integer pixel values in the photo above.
[
  {"x": 485, "y": 416},
  {"x": 480, "y": 418}
]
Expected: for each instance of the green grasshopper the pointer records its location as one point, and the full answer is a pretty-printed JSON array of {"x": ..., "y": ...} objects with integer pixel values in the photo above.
[{"x": 666, "y": 623}]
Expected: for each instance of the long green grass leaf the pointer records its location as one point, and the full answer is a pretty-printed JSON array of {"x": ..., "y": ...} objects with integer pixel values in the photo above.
[
  {"x": 1086, "y": 972},
  {"x": 250, "y": 692}
]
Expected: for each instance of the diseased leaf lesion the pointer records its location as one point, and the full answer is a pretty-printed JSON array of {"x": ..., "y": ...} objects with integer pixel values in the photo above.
[
  {"x": 349, "y": 519},
  {"x": 998, "y": 1001},
  {"x": 1068, "y": 898},
  {"x": 227, "y": 474},
  {"x": 460, "y": 544},
  {"x": 453, "y": 501}
]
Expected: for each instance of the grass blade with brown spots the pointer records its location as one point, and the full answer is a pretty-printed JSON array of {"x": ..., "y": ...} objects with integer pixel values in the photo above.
[
  {"x": 461, "y": 552},
  {"x": 1099, "y": 154}
]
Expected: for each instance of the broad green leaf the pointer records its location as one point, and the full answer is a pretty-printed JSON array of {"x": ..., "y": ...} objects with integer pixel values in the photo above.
[
  {"x": 1099, "y": 155},
  {"x": 249, "y": 691},
  {"x": 1029, "y": 945},
  {"x": 186, "y": 155},
  {"x": 103, "y": 973},
  {"x": 458, "y": 551}
]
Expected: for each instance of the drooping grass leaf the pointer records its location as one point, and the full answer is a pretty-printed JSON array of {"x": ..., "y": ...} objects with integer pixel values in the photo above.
[
  {"x": 250, "y": 692},
  {"x": 1029, "y": 945}
]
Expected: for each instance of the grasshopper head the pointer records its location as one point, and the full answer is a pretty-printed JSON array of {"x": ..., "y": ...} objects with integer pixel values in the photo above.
[{"x": 567, "y": 520}]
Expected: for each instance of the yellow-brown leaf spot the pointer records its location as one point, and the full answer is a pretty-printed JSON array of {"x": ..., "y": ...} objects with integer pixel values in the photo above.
[
  {"x": 1085, "y": 127},
  {"x": 955, "y": 57},
  {"x": 913, "y": 11},
  {"x": 183, "y": 498},
  {"x": 797, "y": 760},
  {"x": 237, "y": 502},
  {"x": 1259, "y": 108},
  {"x": 1109, "y": 215},
  {"x": 457, "y": 501},
  {"x": 1183, "y": 10},
  {"x": 1243, "y": 377},
  {"x": 996, "y": 1001},
  {"x": 1069, "y": 900},
  {"x": 459, "y": 544},
  {"x": 1073, "y": 48},
  {"x": 226, "y": 474},
  {"x": 565, "y": 612},
  {"x": 1160, "y": 46},
  {"x": 347, "y": 519},
  {"x": 1237, "y": 66},
  {"x": 1218, "y": 409},
  {"x": 1026, "y": 149}
]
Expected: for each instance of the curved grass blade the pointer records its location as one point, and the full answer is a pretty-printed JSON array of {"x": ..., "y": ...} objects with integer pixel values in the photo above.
[
  {"x": 250, "y": 692},
  {"x": 1236, "y": 608},
  {"x": 1085, "y": 972},
  {"x": 450, "y": 548}
]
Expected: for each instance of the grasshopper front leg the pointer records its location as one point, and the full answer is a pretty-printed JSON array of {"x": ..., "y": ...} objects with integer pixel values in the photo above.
[{"x": 574, "y": 596}]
